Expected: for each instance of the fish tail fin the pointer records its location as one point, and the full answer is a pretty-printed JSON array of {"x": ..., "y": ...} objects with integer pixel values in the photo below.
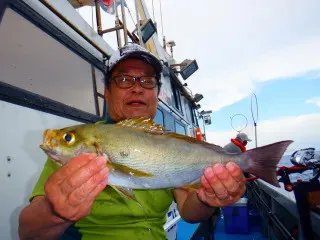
[{"x": 262, "y": 161}]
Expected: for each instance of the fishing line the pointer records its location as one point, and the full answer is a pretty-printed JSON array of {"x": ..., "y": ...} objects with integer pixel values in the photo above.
[{"x": 145, "y": 214}]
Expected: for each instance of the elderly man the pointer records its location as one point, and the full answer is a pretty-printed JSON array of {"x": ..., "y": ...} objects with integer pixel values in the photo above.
[
  {"x": 75, "y": 200},
  {"x": 238, "y": 144}
]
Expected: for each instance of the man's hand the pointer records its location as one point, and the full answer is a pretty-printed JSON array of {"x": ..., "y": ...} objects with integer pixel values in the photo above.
[
  {"x": 222, "y": 186},
  {"x": 73, "y": 188}
]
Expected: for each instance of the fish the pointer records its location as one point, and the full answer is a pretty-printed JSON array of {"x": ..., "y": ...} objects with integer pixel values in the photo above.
[{"x": 143, "y": 155}]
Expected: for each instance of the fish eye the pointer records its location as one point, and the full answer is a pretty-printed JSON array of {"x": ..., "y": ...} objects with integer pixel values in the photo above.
[{"x": 69, "y": 138}]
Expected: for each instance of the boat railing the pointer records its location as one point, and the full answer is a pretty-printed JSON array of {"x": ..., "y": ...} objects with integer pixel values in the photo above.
[{"x": 306, "y": 192}]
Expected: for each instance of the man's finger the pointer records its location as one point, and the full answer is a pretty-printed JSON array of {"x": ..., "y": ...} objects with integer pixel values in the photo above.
[
  {"x": 230, "y": 182},
  {"x": 84, "y": 190},
  {"x": 94, "y": 194},
  {"x": 235, "y": 171},
  {"x": 75, "y": 163},
  {"x": 211, "y": 175},
  {"x": 82, "y": 175}
]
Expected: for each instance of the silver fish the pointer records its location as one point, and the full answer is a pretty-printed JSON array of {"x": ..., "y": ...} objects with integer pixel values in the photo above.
[{"x": 143, "y": 155}]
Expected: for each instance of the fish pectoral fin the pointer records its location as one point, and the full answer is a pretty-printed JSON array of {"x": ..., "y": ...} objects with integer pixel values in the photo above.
[
  {"x": 98, "y": 149},
  {"x": 129, "y": 171},
  {"x": 101, "y": 122},
  {"x": 124, "y": 192},
  {"x": 194, "y": 185}
]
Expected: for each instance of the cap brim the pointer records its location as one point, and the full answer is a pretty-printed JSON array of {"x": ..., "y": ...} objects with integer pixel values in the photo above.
[{"x": 144, "y": 56}]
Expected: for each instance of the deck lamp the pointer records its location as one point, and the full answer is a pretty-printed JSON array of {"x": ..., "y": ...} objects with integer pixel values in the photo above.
[
  {"x": 147, "y": 30},
  {"x": 197, "y": 97},
  {"x": 187, "y": 68}
]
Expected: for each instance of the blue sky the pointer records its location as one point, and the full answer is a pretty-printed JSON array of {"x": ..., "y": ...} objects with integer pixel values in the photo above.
[
  {"x": 270, "y": 48},
  {"x": 285, "y": 97}
]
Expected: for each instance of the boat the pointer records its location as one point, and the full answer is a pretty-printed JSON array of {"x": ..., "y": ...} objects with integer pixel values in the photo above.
[
  {"x": 52, "y": 69},
  {"x": 52, "y": 62}
]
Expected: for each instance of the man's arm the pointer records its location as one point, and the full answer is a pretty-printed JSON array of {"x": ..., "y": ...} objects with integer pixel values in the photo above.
[
  {"x": 222, "y": 186},
  {"x": 69, "y": 195},
  {"x": 38, "y": 221},
  {"x": 190, "y": 207}
]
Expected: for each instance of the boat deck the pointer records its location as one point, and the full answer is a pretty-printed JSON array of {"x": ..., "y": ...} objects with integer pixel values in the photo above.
[{"x": 186, "y": 230}]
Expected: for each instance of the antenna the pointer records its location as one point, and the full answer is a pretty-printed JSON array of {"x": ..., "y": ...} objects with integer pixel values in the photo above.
[
  {"x": 138, "y": 23},
  {"x": 253, "y": 118}
]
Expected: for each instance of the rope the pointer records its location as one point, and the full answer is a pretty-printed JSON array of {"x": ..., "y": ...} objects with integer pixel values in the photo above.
[{"x": 131, "y": 16}]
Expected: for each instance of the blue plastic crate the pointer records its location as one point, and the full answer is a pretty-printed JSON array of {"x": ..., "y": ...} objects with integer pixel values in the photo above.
[{"x": 236, "y": 217}]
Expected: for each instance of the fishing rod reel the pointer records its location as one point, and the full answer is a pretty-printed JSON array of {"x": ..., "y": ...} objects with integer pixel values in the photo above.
[
  {"x": 306, "y": 157},
  {"x": 303, "y": 160},
  {"x": 306, "y": 192}
]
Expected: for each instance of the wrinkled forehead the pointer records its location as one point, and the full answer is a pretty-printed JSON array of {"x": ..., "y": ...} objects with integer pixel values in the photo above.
[{"x": 134, "y": 66}]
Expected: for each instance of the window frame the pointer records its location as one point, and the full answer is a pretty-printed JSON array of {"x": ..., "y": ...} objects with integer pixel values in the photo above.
[{"x": 26, "y": 98}]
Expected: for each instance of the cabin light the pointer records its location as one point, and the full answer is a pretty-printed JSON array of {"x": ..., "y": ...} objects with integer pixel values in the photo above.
[
  {"x": 147, "y": 30},
  {"x": 187, "y": 68},
  {"x": 205, "y": 115},
  {"x": 207, "y": 119},
  {"x": 197, "y": 97},
  {"x": 171, "y": 44},
  {"x": 203, "y": 112}
]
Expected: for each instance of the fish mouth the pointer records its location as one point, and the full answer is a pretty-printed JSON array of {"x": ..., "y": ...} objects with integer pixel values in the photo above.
[
  {"x": 44, "y": 147},
  {"x": 51, "y": 153}
]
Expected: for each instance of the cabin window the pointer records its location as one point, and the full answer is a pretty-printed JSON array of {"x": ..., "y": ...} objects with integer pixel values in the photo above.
[
  {"x": 166, "y": 94},
  {"x": 176, "y": 97},
  {"x": 159, "y": 119},
  {"x": 194, "y": 114},
  {"x": 49, "y": 69},
  {"x": 180, "y": 129},
  {"x": 191, "y": 132},
  {"x": 189, "y": 112}
]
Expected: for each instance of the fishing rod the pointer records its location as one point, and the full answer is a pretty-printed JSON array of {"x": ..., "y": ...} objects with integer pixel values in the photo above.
[{"x": 255, "y": 119}]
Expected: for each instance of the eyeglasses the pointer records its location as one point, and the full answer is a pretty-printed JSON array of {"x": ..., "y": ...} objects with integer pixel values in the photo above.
[{"x": 125, "y": 81}]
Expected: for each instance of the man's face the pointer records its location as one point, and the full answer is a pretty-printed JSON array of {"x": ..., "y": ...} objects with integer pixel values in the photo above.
[
  {"x": 245, "y": 142},
  {"x": 135, "y": 101}
]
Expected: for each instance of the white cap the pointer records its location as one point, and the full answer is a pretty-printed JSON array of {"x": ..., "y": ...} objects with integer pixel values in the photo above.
[
  {"x": 133, "y": 50},
  {"x": 243, "y": 137}
]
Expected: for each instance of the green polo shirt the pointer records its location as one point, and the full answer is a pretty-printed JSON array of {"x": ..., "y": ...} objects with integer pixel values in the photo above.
[{"x": 113, "y": 217}]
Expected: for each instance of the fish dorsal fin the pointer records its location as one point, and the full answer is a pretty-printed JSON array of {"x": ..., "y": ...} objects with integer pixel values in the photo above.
[
  {"x": 194, "y": 140},
  {"x": 147, "y": 125},
  {"x": 143, "y": 124}
]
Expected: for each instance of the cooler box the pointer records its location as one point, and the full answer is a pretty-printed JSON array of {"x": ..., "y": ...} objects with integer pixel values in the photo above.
[{"x": 236, "y": 217}]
